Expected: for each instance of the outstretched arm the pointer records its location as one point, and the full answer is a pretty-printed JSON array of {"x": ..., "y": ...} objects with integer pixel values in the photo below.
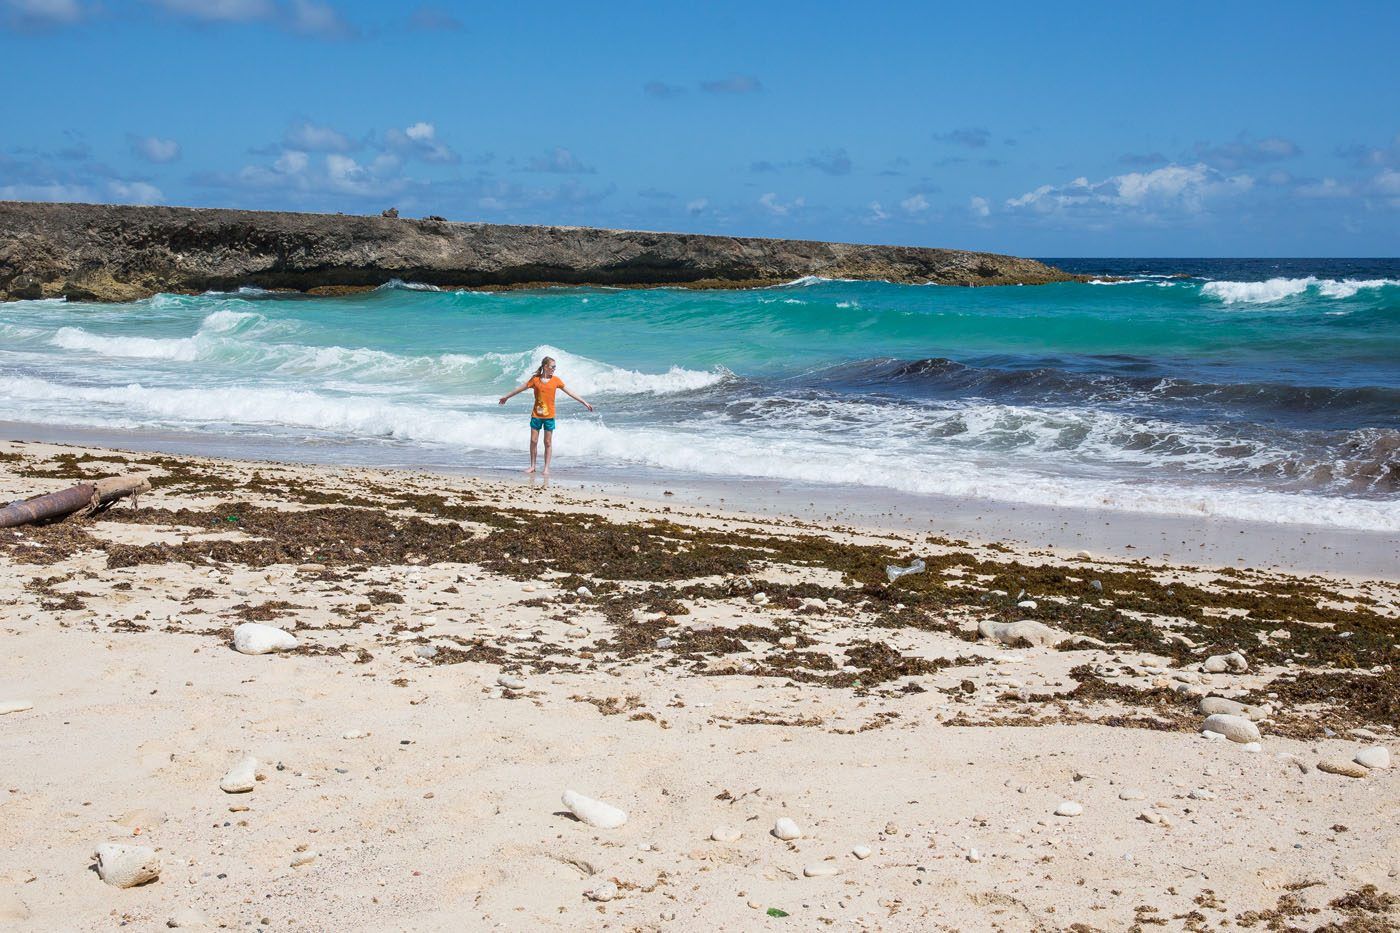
[
  {"x": 575, "y": 398},
  {"x": 510, "y": 395}
]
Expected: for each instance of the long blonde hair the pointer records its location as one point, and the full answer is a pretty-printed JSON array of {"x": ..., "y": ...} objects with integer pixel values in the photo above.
[{"x": 539, "y": 371}]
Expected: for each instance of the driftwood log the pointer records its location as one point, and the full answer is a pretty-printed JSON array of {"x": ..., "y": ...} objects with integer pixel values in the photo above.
[{"x": 82, "y": 499}]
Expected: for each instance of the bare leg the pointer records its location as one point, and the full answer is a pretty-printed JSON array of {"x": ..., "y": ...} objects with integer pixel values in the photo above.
[
  {"x": 535, "y": 449},
  {"x": 548, "y": 450}
]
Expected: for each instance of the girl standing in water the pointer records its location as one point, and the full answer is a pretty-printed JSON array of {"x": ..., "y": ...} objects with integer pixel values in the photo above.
[{"x": 545, "y": 384}]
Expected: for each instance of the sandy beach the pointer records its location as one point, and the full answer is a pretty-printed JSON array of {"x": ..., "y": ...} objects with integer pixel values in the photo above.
[{"x": 469, "y": 649}]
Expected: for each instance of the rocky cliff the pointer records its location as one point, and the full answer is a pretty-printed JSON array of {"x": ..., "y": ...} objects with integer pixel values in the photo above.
[{"x": 114, "y": 253}]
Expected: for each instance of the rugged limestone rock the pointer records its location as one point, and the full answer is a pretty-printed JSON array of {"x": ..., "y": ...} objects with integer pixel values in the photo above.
[{"x": 121, "y": 253}]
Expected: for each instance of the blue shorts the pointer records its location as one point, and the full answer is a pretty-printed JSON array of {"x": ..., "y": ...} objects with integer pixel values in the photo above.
[{"x": 537, "y": 423}]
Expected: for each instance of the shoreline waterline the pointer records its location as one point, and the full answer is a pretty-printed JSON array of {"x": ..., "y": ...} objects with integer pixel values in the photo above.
[{"x": 1204, "y": 541}]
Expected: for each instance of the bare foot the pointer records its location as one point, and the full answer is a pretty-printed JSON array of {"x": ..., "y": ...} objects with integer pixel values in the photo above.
[
  {"x": 546, "y": 472},
  {"x": 529, "y": 470}
]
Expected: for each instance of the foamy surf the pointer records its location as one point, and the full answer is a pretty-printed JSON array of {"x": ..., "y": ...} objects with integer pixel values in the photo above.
[
  {"x": 1278, "y": 289},
  {"x": 1144, "y": 397}
]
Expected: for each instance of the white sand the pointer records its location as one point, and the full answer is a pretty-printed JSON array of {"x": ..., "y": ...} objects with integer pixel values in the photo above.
[{"x": 446, "y": 814}]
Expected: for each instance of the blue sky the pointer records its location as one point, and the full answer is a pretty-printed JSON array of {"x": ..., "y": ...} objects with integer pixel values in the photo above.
[{"x": 1181, "y": 129}]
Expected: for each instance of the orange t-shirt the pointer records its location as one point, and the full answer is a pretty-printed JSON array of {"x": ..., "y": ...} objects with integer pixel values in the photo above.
[{"x": 544, "y": 394}]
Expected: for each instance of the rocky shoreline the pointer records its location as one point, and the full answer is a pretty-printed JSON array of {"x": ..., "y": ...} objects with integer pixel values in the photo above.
[{"x": 98, "y": 252}]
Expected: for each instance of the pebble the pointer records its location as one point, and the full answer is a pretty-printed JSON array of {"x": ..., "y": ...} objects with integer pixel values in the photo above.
[
  {"x": 603, "y": 893},
  {"x": 973, "y": 855},
  {"x": 862, "y": 852},
  {"x": 1215, "y": 664},
  {"x": 303, "y": 858},
  {"x": 785, "y": 828},
  {"x": 725, "y": 834},
  {"x": 1342, "y": 766},
  {"x": 1084, "y": 555},
  {"x": 1132, "y": 793},
  {"x": 1025, "y": 632},
  {"x": 354, "y": 734},
  {"x": 256, "y": 638},
  {"x": 1069, "y": 808},
  {"x": 14, "y": 706},
  {"x": 1377, "y": 757},
  {"x": 788, "y": 641},
  {"x": 1212, "y": 705},
  {"x": 126, "y": 866},
  {"x": 1234, "y": 728},
  {"x": 1147, "y": 816},
  {"x": 584, "y": 591},
  {"x": 593, "y": 812},
  {"x": 511, "y": 682},
  {"x": 1201, "y": 794},
  {"x": 820, "y": 870},
  {"x": 426, "y": 652},
  {"x": 759, "y": 599},
  {"x": 241, "y": 778},
  {"x": 812, "y": 602},
  {"x": 1026, "y": 604},
  {"x": 186, "y": 918},
  {"x": 310, "y": 568}
]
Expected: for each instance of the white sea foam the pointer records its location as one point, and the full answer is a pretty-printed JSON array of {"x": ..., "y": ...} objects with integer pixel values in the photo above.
[
  {"x": 1345, "y": 288},
  {"x": 1278, "y": 289},
  {"x": 184, "y": 349},
  {"x": 228, "y": 337},
  {"x": 806, "y": 280},
  {"x": 702, "y": 445},
  {"x": 408, "y": 286}
]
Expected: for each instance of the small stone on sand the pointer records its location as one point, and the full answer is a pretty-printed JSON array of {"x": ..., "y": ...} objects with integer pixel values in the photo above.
[
  {"x": 1377, "y": 757},
  {"x": 126, "y": 866},
  {"x": 595, "y": 813},
  {"x": 785, "y": 828},
  {"x": 241, "y": 778},
  {"x": 256, "y": 638},
  {"x": 1342, "y": 766}
]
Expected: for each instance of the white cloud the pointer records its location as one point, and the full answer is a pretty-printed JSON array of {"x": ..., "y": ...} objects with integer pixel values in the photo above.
[
  {"x": 772, "y": 205},
  {"x": 877, "y": 213},
  {"x": 318, "y": 19},
  {"x": 420, "y": 141},
  {"x": 311, "y": 137},
  {"x": 1180, "y": 188},
  {"x": 51, "y": 192},
  {"x": 914, "y": 204},
  {"x": 1327, "y": 188},
  {"x": 134, "y": 192},
  {"x": 218, "y": 11},
  {"x": 40, "y": 13},
  {"x": 291, "y": 162},
  {"x": 561, "y": 161},
  {"x": 979, "y": 207},
  {"x": 697, "y": 206},
  {"x": 308, "y": 17},
  {"x": 155, "y": 149}
]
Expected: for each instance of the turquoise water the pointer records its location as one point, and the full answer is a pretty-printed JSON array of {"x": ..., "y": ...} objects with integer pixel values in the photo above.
[{"x": 1247, "y": 396}]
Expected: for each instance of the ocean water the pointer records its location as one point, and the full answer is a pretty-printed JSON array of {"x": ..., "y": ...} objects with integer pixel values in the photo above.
[{"x": 1255, "y": 389}]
